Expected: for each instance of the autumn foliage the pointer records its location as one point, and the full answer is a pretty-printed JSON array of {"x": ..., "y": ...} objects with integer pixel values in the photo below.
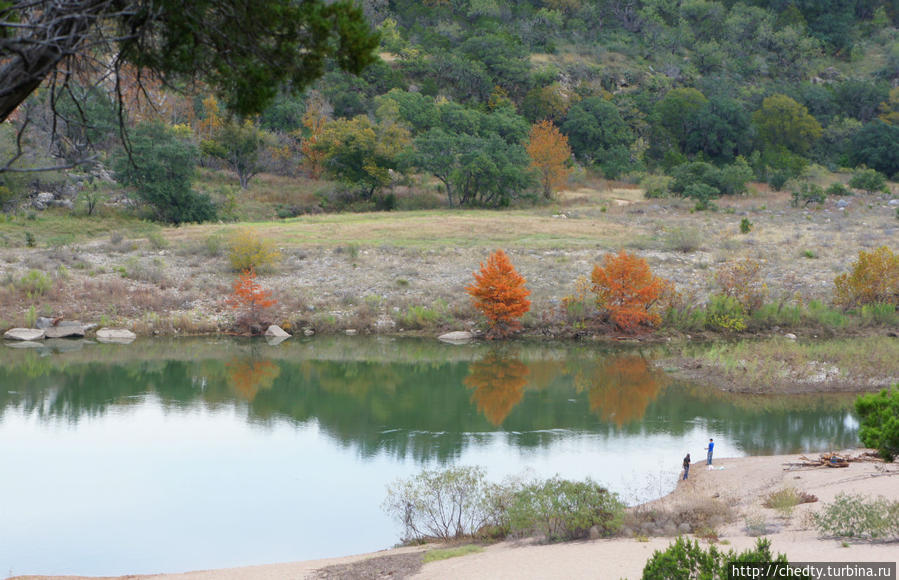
[
  {"x": 248, "y": 377},
  {"x": 550, "y": 156},
  {"x": 249, "y": 296},
  {"x": 498, "y": 383},
  {"x": 626, "y": 291},
  {"x": 499, "y": 293},
  {"x": 874, "y": 279},
  {"x": 620, "y": 389}
]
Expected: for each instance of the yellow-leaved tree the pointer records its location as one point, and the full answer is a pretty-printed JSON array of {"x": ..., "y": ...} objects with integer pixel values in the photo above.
[{"x": 550, "y": 156}]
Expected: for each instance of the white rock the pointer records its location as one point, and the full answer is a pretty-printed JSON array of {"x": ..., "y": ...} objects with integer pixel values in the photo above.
[
  {"x": 350, "y": 331},
  {"x": 276, "y": 331},
  {"x": 116, "y": 335},
  {"x": 790, "y": 336},
  {"x": 457, "y": 337},
  {"x": 24, "y": 334}
]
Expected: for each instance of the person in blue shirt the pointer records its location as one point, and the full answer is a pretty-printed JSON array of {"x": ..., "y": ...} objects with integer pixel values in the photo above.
[{"x": 710, "y": 448}]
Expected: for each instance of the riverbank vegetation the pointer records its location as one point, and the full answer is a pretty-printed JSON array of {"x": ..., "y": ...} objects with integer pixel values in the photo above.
[{"x": 743, "y": 151}]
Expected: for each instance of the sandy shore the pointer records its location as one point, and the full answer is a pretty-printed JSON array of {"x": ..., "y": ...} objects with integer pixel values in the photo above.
[{"x": 741, "y": 483}]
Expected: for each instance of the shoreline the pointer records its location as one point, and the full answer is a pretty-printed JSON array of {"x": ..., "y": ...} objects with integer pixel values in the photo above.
[{"x": 741, "y": 483}]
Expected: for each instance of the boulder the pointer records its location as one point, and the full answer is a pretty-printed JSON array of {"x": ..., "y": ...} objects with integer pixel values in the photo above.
[
  {"x": 44, "y": 322},
  {"x": 790, "y": 336},
  {"x": 42, "y": 199},
  {"x": 275, "y": 331},
  {"x": 24, "y": 334},
  {"x": 65, "y": 329},
  {"x": 457, "y": 337},
  {"x": 350, "y": 332},
  {"x": 115, "y": 335}
]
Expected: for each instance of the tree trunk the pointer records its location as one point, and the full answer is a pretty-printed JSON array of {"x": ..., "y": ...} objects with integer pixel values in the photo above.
[{"x": 58, "y": 32}]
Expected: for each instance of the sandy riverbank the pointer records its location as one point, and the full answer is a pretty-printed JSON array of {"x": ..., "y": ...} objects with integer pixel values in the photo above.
[{"x": 742, "y": 483}]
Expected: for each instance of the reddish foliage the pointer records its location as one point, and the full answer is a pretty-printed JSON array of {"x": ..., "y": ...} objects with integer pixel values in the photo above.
[
  {"x": 499, "y": 293},
  {"x": 626, "y": 290},
  {"x": 248, "y": 377},
  {"x": 498, "y": 384},
  {"x": 250, "y": 296}
]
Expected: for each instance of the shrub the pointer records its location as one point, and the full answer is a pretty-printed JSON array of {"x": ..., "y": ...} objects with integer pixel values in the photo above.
[
  {"x": 868, "y": 180},
  {"x": 702, "y": 193},
  {"x": 725, "y": 313},
  {"x": 250, "y": 252},
  {"x": 745, "y": 226},
  {"x": 874, "y": 279},
  {"x": 655, "y": 186},
  {"x": 742, "y": 280},
  {"x": 855, "y": 516},
  {"x": 35, "y": 283},
  {"x": 879, "y": 415},
  {"x": 440, "y": 504},
  {"x": 682, "y": 240},
  {"x": 499, "y": 293},
  {"x": 786, "y": 499},
  {"x": 686, "y": 559},
  {"x": 838, "y": 189},
  {"x": 627, "y": 291},
  {"x": 157, "y": 242},
  {"x": 565, "y": 510},
  {"x": 249, "y": 296},
  {"x": 808, "y": 193}
]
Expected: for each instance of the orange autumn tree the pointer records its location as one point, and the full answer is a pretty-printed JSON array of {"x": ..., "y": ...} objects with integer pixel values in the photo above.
[
  {"x": 499, "y": 293},
  {"x": 249, "y": 296},
  {"x": 626, "y": 291},
  {"x": 550, "y": 156}
]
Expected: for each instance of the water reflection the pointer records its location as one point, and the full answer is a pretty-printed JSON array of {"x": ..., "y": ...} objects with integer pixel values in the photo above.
[
  {"x": 619, "y": 388},
  {"x": 498, "y": 382},
  {"x": 156, "y": 444},
  {"x": 430, "y": 404}
]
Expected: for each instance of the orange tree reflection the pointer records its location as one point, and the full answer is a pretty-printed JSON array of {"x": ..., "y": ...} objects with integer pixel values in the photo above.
[{"x": 498, "y": 382}]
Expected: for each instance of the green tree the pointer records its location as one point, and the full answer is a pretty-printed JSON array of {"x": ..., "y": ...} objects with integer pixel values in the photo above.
[
  {"x": 362, "y": 153},
  {"x": 879, "y": 415},
  {"x": 161, "y": 167},
  {"x": 782, "y": 122},
  {"x": 598, "y": 134},
  {"x": 875, "y": 146},
  {"x": 238, "y": 145},
  {"x": 247, "y": 51},
  {"x": 679, "y": 113}
]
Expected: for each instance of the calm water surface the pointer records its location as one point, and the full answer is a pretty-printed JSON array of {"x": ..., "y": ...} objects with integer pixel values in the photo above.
[{"x": 165, "y": 456}]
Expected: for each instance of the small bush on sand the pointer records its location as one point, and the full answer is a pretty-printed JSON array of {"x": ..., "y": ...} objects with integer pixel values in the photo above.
[
  {"x": 687, "y": 559},
  {"x": 565, "y": 510},
  {"x": 856, "y": 516}
]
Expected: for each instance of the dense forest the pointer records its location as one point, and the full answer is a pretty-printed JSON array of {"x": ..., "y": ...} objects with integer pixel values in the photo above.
[{"x": 490, "y": 102}]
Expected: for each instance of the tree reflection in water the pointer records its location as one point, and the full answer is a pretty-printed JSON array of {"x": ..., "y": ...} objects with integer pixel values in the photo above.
[
  {"x": 498, "y": 382},
  {"x": 619, "y": 388},
  {"x": 248, "y": 376}
]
